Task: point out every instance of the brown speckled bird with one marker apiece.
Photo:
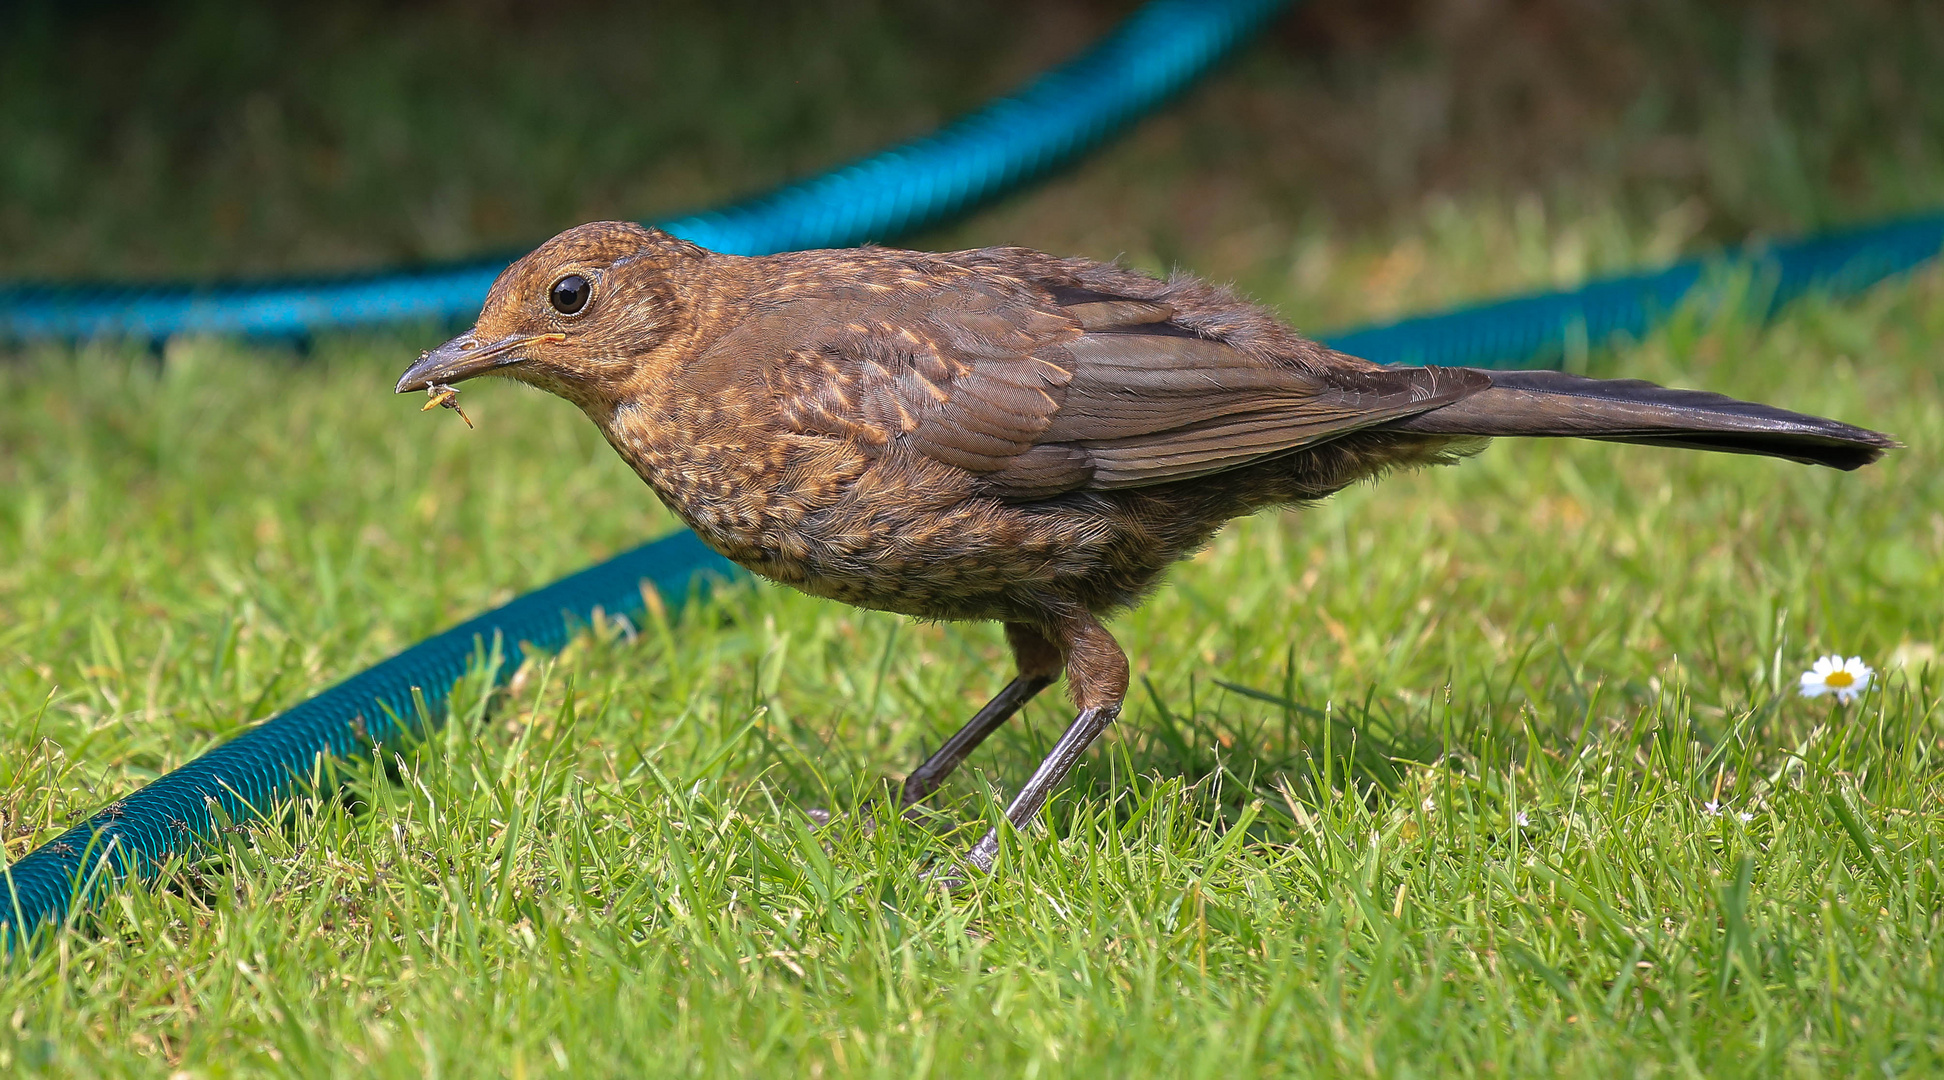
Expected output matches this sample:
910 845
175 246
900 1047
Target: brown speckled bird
1003 434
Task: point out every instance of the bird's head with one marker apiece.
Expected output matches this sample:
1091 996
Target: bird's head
583 316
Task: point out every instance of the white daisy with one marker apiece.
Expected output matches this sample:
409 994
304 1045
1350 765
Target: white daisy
1847 679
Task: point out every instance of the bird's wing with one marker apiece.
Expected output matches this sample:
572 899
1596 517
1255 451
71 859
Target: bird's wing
954 374
1076 389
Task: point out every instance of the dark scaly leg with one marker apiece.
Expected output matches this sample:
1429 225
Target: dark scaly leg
1039 662
1097 676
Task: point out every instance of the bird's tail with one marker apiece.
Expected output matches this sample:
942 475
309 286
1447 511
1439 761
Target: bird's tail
1552 403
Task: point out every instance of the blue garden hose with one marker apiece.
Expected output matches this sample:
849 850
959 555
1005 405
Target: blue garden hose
1527 331
1155 52
1151 56
244 777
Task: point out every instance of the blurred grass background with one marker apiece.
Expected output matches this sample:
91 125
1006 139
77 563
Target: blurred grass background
1470 723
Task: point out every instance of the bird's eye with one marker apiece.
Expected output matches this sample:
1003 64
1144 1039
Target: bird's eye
569 294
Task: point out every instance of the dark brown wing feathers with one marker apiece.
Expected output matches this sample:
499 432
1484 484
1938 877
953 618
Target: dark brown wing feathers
1553 403
1095 310
1047 390
1042 389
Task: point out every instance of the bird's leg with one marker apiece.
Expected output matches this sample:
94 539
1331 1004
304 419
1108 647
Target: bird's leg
1039 662
1097 676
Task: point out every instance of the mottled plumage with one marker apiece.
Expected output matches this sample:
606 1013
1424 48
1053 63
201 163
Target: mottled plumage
1003 434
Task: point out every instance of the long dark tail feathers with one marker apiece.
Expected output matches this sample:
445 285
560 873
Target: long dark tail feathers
1552 403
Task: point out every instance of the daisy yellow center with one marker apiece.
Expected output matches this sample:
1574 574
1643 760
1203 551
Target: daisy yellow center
1839 679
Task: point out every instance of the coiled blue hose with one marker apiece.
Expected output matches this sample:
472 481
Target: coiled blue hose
903 188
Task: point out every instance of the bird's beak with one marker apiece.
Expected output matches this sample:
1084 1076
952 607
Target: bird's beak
465 356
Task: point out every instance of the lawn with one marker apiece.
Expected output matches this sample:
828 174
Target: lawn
1490 769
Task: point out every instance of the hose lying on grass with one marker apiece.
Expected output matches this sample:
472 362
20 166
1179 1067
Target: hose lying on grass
242 778
1064 112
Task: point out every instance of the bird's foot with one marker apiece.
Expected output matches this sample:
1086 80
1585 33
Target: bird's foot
958 873
950 877
985 852
867 815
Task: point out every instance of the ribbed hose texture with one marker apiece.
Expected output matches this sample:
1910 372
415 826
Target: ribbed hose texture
244 776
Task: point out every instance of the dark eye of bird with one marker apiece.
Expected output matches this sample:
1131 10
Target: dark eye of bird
569 294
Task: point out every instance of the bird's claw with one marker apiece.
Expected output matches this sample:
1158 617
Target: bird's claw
950 874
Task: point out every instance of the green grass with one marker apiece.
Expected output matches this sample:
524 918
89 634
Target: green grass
1417 782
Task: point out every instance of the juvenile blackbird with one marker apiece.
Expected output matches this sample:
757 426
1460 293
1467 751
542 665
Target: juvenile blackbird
1004 434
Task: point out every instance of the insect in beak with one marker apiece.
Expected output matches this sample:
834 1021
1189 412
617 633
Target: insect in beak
447 396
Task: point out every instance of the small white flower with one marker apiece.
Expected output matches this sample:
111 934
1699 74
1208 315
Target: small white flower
1524 821
1746 816
1847 679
